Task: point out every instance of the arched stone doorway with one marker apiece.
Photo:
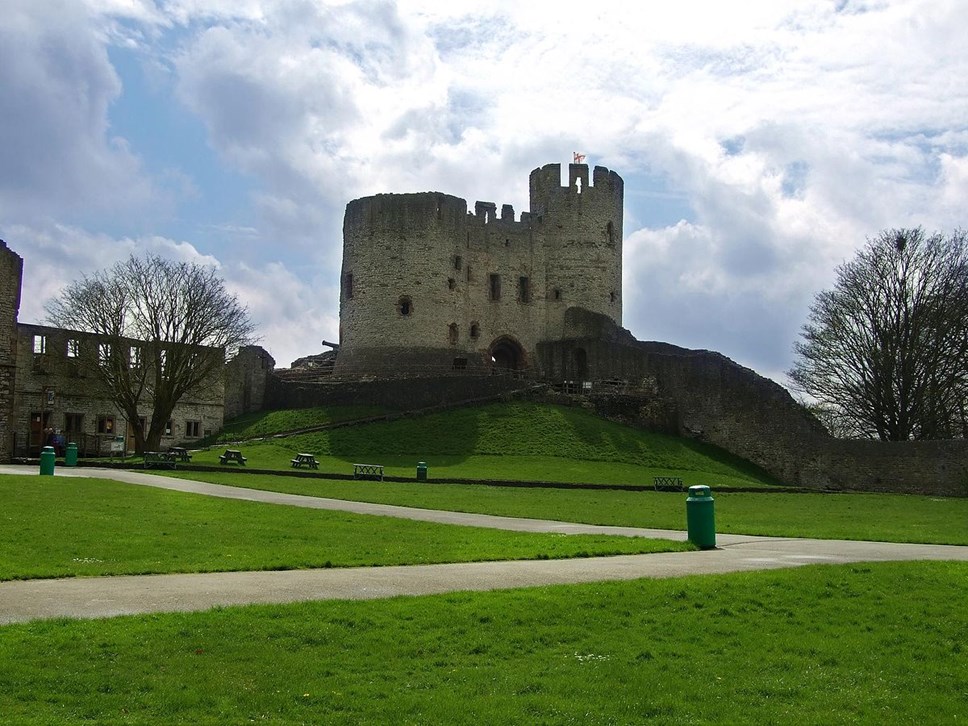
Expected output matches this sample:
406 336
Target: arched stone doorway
506 355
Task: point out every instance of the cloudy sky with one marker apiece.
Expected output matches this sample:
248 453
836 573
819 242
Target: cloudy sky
760 141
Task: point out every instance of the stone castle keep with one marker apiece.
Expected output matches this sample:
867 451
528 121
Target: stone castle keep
428 286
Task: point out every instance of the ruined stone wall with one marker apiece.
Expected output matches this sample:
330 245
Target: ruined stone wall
706 396
246 376
58 388
11 275
424 282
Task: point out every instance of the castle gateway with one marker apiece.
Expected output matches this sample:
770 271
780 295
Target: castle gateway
428 287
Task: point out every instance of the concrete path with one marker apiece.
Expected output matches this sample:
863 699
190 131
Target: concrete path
109 596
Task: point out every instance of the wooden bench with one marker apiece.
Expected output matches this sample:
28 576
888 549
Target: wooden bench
305 460
232 455
180 453
667 484
162 459
368 471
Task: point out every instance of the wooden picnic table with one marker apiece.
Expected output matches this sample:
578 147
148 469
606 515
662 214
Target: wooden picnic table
368 471
232 455
163 459
180 453
301 460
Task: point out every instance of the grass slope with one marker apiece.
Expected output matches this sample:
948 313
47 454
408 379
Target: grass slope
267 423
877 643
508 441
67 526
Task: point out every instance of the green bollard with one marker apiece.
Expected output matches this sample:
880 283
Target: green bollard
70 454
700 517
47 457
421 471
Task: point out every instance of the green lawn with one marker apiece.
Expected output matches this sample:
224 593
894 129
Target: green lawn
880 517
510 441
72 526
879 643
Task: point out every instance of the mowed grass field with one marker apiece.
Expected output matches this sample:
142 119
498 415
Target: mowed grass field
868 644
71 526
864 643
505 441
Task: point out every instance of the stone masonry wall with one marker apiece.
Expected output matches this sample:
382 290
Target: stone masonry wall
58 389
711 398
11 274
246 375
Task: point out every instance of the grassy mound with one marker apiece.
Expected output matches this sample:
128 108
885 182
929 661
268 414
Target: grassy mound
507 441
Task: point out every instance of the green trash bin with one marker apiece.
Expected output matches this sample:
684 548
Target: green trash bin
700 517
70 454
47 457
421 471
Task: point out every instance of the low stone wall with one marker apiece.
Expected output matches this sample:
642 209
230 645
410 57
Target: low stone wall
706 396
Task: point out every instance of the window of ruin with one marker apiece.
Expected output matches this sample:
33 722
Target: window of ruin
405 306
458 262
507 243
611 296
169 428
460 364
134 357
348 286
494 289
451 283
104 352
105 424
453 334
468 273
40 344
192 429
557 293
610 233
475 331
73 348
524 289
73 422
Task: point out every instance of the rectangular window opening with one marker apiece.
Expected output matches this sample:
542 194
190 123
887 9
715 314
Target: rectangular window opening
40 344
73 348
524 289
495 287
105 425
192 429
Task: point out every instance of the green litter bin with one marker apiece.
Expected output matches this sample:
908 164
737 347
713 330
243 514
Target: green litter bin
700 517
47 458
70 454
421 471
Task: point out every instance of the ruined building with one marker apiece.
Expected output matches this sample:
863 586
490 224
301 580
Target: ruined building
47 381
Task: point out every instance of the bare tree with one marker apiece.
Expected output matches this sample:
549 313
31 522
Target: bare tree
163 329
886 350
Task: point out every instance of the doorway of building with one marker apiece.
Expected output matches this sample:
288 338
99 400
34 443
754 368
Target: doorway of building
506 355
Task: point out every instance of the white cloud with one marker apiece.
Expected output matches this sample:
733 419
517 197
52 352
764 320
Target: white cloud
789 129
58 157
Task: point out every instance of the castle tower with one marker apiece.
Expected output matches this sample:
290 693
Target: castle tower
580 226
427 286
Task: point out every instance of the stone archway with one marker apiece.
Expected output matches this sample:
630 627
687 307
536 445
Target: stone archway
506 354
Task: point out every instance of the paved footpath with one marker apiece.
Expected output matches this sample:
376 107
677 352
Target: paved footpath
96 597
